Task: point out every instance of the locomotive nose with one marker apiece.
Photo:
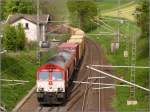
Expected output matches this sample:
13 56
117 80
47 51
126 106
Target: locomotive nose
59 89
41 89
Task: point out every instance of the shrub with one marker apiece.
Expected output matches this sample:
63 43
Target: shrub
14 38
9 39
21 40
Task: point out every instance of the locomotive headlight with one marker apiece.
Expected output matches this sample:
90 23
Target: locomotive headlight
41 89
60 89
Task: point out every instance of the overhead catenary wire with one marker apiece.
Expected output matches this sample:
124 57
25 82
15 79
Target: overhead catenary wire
112 19
121 66
8 80
5 85
114 77
96 77
104 84
99 34
103 26
109 87
105 23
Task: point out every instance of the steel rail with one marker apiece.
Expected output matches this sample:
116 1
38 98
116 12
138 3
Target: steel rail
87 86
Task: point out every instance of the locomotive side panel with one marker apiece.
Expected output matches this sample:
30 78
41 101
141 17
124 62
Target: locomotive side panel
60 70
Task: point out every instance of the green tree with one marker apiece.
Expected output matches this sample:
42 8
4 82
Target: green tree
9 39
143 23
14 38
85 11
143 17
21 40
16 6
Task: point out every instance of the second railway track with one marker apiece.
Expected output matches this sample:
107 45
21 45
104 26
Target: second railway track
76 100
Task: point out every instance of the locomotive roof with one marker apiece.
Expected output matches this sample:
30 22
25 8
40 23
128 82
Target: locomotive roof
77 37
73 40
61 58
58 60
68 45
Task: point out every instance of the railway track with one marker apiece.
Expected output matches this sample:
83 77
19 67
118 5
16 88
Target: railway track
80 100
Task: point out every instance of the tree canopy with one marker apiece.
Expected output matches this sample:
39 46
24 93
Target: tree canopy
84 11
143 23
14 38
143 17
15 6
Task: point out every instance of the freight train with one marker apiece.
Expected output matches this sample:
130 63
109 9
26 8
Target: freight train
53 77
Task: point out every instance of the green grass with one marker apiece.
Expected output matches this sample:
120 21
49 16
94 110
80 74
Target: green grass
104 5
117 58
17 66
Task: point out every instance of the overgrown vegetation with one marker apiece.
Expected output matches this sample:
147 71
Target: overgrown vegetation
143 23
117 58
56 8
82 12
14 38
22 65
17 66
15 6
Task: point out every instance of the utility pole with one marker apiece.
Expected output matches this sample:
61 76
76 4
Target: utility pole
38 35
118 32
149 55
0 62
132 99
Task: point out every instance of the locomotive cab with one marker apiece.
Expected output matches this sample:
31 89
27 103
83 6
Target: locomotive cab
50 86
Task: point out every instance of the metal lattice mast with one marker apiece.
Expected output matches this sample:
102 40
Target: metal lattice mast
38 33
118 32
133 63
149 54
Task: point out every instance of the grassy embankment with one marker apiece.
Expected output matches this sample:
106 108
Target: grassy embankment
129 29
19 66
22 65
110 5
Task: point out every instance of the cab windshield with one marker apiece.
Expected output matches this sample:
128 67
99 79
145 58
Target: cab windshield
57 76
43 75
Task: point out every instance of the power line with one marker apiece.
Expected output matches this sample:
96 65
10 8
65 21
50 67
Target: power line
120 66
149 56
103 84
8 80
122 80
38 34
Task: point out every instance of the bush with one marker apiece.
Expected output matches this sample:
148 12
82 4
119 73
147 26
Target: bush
21 40
82 12
10 37
14 38
31 45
